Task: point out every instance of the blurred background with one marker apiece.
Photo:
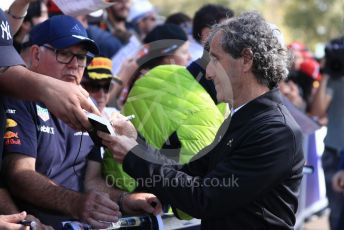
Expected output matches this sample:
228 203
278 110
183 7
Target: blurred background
312 22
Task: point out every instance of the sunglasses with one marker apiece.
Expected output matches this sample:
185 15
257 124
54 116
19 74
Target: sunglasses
95 87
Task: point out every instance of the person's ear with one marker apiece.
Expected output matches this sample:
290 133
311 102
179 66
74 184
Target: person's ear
35 55
247 57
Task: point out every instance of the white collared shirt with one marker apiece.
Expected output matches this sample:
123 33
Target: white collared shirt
237 109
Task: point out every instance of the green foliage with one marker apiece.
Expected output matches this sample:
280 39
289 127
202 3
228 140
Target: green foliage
314 21
308 21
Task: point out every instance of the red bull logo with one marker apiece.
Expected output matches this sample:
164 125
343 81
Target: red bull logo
12 142
10 134
12 138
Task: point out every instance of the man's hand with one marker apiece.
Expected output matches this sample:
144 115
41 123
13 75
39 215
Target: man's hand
10 222
122 126
123 141
118 145
18 9
140 203
67 101
97 209
338 181
39 225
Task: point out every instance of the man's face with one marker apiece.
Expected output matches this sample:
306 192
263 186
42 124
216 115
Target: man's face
120 9
147 23
48 63
180 57
99 90
224 70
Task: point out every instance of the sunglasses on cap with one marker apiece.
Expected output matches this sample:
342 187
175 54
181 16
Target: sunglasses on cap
95 87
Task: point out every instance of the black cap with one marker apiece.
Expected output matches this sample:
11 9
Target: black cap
161 41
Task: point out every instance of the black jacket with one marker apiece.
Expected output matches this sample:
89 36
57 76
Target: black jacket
248 178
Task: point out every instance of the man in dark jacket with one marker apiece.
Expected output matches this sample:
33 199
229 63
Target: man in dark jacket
249 177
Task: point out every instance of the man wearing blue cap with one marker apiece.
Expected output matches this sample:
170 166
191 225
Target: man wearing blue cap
15 79
46 160
13 73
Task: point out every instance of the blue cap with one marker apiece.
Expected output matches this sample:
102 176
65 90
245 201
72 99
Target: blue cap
9 56
61 32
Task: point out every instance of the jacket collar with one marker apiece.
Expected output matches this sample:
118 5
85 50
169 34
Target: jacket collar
253 108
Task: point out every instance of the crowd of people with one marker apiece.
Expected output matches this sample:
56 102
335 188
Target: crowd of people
213 96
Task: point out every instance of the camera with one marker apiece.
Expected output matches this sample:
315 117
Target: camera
334 55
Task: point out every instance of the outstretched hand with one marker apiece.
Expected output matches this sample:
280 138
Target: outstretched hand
67 101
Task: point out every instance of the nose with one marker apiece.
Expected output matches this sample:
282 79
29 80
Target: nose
74 62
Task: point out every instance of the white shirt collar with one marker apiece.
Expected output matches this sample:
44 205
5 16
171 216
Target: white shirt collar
237 109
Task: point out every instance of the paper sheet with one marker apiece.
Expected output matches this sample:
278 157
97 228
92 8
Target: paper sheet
82 7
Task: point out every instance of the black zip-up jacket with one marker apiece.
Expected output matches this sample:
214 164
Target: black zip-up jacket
248 178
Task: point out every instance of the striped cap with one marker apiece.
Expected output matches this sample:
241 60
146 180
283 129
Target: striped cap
99 69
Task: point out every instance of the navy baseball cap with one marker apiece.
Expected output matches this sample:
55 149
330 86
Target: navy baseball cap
61 32
9 56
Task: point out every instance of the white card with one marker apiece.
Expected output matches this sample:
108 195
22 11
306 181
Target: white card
82 7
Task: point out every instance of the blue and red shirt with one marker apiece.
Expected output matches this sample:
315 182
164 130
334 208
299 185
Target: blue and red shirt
61 152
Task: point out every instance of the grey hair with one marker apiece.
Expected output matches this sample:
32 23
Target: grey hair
250 31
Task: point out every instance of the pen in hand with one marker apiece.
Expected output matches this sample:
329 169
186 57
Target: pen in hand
127 118
130 117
